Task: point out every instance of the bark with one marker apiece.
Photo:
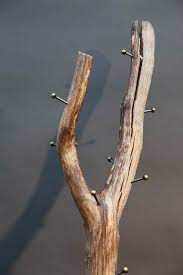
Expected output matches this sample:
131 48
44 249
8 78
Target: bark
102 211
102 244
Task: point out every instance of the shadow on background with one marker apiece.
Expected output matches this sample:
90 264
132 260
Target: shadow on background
51 179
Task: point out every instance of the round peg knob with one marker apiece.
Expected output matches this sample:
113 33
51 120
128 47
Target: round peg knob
52 143
53 95
145 177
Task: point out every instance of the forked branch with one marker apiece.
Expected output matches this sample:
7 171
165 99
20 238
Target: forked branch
102 211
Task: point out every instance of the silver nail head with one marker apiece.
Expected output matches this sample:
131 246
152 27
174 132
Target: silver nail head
93 192
125 270
110 159
145 177
53 95
123 51
52 143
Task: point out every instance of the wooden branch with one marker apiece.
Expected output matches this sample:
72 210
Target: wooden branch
132 115
102 211
66 140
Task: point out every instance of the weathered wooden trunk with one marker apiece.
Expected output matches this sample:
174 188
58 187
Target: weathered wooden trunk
102 211
102 244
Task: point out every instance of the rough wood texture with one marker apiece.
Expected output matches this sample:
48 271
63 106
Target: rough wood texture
101 212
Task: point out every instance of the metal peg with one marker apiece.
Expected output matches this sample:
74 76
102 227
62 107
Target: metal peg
110 159
53 95
124 270
152 110
124 52
145 177
52 143
94 193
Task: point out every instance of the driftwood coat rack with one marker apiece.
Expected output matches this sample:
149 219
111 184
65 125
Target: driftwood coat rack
102 211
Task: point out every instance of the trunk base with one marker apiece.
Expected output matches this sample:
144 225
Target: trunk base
102 249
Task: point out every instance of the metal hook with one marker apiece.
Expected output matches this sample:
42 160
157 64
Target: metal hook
145 177
124 52
152 110
124 270
94 193
110 159
53 95
52 143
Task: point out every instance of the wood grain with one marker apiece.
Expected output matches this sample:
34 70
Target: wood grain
101 212
66 140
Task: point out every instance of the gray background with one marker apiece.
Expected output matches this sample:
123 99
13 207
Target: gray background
41 230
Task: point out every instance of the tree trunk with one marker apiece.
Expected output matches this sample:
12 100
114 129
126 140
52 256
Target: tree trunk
102 245
102 211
